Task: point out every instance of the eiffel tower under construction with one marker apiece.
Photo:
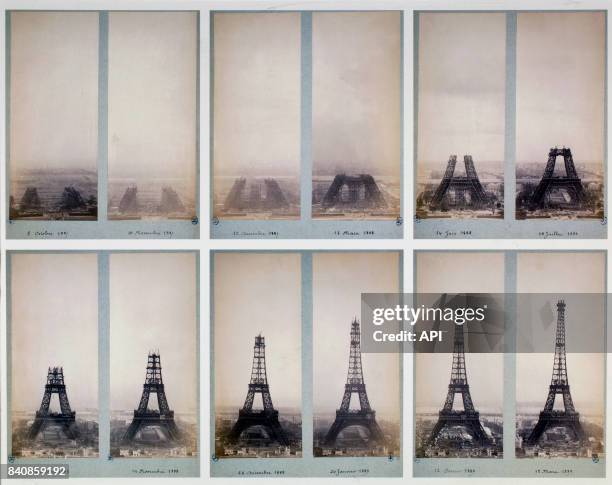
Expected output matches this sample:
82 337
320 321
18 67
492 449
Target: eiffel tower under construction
467 191
559 384
468 418
66 418
365 416
268 416
143 416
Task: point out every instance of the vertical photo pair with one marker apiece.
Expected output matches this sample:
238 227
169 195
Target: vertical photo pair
306 124
103 361
292 392
102 124
513 412
510 132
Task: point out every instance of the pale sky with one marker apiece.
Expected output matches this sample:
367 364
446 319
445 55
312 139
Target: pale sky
54 322
338 281
152 76
356 92
461 86
153 307
564 273
54 90
560 85
445 272
256 100
257 293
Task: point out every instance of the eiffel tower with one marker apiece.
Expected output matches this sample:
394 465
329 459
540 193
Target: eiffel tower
66 418
460 185
365 416
559 384
570 182
143 416
469 417
268 416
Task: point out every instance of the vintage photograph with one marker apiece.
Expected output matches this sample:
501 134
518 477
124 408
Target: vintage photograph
152 115
356 396
257 370
256 104
459 396
461 89
52 106
554 419
560 108
154 385
53 323
356 115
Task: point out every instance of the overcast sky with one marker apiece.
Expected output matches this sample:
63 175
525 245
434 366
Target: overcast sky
256 99
53 90
564 273
560 85
257 293
356 66
153 307
445 272
54 322
461 86
338 281
152 76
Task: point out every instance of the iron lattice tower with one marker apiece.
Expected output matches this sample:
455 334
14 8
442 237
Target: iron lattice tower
143 416
266 417
468 417
461 186
66 418
570 182
559 384
355 384
361 191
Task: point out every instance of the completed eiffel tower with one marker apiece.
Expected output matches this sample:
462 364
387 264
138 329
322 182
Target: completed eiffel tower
268 416
365 416
143 416
469 417
559 384
66 418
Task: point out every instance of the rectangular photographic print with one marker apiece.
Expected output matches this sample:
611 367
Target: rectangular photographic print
356 115
53 373
256 106
153 357
461 124
565 316
458 397
152 115
53 125
560 124
257 378
356 396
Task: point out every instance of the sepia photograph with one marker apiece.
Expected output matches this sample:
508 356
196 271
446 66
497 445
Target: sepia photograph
257 355
356 396
461 93
154 384
152 115
459 396
560 395
356 115
256 109
53 393
560 110
52 115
